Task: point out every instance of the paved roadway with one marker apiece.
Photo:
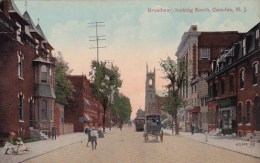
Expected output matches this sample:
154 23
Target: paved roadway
128 146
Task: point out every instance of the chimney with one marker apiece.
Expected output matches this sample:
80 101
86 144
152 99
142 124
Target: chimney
5 7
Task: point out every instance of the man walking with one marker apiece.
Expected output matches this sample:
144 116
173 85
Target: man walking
53 132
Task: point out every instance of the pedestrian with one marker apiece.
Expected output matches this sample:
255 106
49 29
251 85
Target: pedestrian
53 132
120 126
192 128
10 144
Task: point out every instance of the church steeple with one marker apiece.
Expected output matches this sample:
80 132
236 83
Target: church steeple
150 90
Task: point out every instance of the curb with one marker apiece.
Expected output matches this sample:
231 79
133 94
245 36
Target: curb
258 157
49 151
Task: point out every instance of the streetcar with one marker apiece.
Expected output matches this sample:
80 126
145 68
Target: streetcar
139 123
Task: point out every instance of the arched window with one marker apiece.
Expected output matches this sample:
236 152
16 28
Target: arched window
20 64
43 74
150 82
248 111
242 78
255 72
44 111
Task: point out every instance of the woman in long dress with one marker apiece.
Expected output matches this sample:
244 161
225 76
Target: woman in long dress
10 143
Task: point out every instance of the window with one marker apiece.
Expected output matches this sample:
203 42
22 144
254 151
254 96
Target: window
231 83
244 47
215 89
51 111
43 74
239 113
50 75
205 53
20 106
44 110
20 64
150 82
18 32
203 101
248 110
242 78
255 72
222 86
257 34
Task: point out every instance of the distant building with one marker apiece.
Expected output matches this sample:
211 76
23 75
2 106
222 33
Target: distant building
27 87
234 86
199 49
83 110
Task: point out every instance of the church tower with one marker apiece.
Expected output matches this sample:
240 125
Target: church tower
150 91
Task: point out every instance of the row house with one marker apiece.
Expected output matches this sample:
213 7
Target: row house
83 110
198 49
27 92
234 87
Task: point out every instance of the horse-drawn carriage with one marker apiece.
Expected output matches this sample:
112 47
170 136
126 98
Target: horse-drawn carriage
153 127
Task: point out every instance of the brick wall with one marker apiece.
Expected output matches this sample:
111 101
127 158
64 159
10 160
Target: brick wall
11 85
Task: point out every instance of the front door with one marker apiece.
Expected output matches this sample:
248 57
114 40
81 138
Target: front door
257 113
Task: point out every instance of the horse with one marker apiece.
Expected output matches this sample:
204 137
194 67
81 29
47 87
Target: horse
92 137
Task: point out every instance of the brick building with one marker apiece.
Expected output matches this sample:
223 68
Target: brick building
234 86
83 109
27 73
198 48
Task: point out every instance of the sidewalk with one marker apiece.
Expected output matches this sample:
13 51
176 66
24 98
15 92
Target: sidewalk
225 142
41 147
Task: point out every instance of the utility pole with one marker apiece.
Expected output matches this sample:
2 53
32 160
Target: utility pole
97 37
110 62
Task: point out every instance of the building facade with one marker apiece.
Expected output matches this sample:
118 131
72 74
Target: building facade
83 110
198 49
234 87
27 94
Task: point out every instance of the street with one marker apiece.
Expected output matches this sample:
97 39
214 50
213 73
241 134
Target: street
128 146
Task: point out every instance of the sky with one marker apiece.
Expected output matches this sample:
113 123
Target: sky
136 32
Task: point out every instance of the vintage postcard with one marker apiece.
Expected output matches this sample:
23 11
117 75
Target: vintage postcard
129 81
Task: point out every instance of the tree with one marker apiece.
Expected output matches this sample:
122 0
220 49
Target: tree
122 106
63 87
177 74
105 81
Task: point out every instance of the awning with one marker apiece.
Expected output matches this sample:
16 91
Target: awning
87 117
86 103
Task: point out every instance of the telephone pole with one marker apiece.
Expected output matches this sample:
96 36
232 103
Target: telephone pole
97 37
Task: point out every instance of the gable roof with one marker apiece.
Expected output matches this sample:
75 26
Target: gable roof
13 10
39 29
